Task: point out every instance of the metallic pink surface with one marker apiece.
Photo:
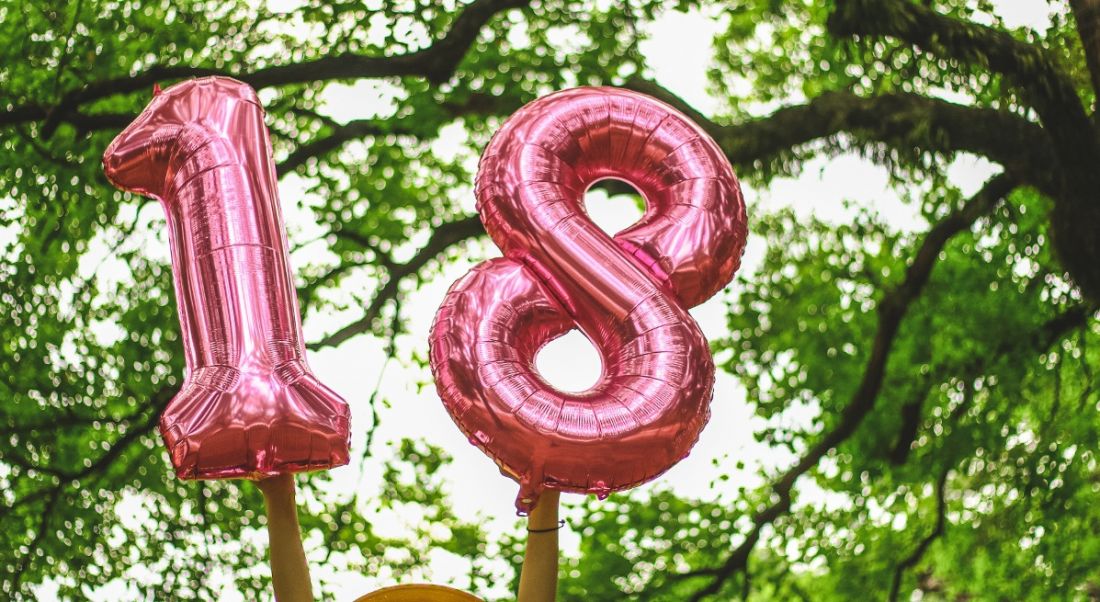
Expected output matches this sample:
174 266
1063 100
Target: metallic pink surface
628 294
249 406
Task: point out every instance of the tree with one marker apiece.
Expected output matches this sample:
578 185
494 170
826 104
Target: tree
952 370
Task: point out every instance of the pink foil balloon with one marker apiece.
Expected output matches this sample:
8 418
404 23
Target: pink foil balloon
628 294
249 405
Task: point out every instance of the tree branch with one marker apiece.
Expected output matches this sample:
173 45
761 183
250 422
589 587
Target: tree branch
1059 159
910 423
899 120
351 130
891 310
1042 338
1047 87
36 540
474 104
436 63
1086 14
53 494
941 522
441 239
160 400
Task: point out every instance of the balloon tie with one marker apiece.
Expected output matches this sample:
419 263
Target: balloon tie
561 523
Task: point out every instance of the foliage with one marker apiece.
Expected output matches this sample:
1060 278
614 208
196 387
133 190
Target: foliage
950 375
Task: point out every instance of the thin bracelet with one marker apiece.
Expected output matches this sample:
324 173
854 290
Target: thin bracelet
561 523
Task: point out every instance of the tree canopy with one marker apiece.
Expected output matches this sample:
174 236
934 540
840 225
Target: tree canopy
951 371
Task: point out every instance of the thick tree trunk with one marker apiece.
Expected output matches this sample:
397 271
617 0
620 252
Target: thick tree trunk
1087 15
1044 86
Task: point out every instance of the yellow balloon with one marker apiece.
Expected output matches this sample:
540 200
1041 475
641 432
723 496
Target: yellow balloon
419 593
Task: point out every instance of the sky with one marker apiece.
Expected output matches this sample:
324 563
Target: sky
679 52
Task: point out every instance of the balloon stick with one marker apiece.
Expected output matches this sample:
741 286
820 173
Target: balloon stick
538 579
289 570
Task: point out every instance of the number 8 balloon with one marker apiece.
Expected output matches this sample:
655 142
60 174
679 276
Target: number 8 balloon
629 294
250 406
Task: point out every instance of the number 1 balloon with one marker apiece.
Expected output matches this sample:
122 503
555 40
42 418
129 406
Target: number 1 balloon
249 406
629 294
